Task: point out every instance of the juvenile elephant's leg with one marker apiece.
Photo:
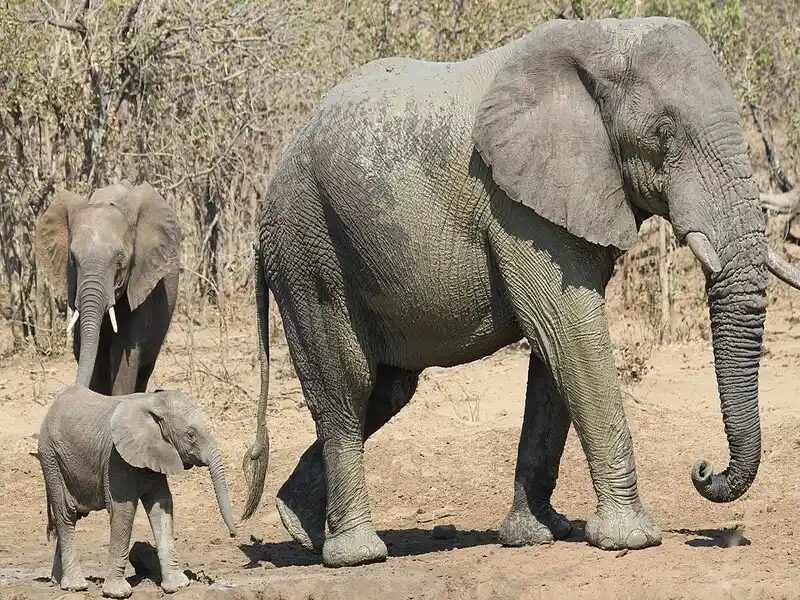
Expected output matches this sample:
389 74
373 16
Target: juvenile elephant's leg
532 519
158 506
302 500
66 569
123 510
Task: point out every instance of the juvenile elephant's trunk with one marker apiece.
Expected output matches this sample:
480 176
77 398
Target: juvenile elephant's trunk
91 304
256 460
217 470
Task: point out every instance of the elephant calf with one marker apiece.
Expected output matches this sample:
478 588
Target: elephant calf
109 452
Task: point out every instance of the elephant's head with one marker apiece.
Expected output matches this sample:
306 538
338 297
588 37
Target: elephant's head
112 248
166 432
599 125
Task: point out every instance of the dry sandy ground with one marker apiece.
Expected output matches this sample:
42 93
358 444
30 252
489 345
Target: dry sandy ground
447 459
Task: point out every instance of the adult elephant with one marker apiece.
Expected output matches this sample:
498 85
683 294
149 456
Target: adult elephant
115 257
431 213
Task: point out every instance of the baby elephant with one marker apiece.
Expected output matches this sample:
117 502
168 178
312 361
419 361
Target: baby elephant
111 451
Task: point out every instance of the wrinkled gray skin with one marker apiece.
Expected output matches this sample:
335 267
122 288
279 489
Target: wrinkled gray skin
108 452
431 213
120 248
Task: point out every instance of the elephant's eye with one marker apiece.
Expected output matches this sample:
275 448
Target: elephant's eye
191 434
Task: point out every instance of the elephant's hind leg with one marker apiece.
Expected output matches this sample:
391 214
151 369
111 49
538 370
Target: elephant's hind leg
337 375
302 500
532 519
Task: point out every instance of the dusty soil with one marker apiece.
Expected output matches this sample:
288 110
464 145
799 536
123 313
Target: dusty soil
448 458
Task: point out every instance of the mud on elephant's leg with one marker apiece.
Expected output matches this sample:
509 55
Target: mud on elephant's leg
302 499
532 519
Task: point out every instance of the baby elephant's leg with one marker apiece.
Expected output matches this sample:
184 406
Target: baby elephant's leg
66 569
123 511
158 505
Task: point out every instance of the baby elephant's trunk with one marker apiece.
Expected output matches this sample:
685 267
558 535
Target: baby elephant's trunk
217 469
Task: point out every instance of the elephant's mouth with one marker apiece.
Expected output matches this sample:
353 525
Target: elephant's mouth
187 466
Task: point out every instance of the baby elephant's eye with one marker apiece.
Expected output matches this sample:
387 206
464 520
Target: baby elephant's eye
191 434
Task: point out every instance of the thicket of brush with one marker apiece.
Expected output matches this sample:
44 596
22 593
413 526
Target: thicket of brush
198 98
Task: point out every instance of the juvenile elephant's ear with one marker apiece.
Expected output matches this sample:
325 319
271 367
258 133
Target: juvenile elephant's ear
539 128
157 244
51 245
136 432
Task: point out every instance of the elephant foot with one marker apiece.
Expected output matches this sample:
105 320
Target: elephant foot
523 528
302 501
357 546
116 588
623 528
74 582
173 582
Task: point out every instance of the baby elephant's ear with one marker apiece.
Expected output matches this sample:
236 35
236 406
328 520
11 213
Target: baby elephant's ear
136 432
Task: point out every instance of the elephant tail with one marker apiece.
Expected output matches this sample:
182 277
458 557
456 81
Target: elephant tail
256 459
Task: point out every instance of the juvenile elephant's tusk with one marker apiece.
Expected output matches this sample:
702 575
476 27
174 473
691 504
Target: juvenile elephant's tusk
113 317
73 320
703 251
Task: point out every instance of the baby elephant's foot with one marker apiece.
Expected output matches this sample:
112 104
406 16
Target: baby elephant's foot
357 546
522 528
116 588
74 582
623 528
173 582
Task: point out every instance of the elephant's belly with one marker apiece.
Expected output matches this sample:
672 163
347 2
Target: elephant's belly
442 313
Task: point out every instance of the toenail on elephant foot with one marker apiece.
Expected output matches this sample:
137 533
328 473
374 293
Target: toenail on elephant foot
357 546
522 528
623 529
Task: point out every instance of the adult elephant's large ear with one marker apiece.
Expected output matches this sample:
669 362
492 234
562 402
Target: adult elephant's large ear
51 245
157 244
136 433
539 127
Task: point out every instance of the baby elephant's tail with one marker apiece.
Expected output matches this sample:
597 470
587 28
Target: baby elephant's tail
51 528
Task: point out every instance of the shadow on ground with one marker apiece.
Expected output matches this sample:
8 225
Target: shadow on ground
399 542
714 538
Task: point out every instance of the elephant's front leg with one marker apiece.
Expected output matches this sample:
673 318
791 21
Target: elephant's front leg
158 506
561 310
583 365
532 519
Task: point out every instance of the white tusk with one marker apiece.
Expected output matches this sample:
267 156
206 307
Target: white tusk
783 269
703 251
73 320
113 317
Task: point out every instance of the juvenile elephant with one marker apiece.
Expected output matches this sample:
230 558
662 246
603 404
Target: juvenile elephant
110 452
428 214
115 257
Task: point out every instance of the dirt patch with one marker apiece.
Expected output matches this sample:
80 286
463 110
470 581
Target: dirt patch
447 459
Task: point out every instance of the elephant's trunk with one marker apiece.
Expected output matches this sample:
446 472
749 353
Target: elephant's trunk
217 470
92 302
737 308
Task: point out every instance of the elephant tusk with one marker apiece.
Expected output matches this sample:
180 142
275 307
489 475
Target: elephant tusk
703 251
73 320
112 315
783 269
